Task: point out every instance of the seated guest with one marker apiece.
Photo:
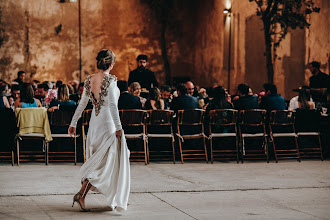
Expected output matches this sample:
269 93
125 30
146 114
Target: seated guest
15 92
155 100
74 85
219 100
135 89
228 97
294 104
272 100
184 101
62 100
304 100
27 99
190 88
203 99
35 84
3 99
166 96
245 101
77 96
126 100
57 84
42 92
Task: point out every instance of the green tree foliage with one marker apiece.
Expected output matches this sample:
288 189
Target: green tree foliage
278 16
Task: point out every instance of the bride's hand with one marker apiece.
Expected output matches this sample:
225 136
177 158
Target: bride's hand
72 131
119 133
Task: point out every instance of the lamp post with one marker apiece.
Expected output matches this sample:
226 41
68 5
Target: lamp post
228 14
79 41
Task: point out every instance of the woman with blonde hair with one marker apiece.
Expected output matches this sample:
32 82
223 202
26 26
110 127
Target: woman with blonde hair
304 101
62 99
135 89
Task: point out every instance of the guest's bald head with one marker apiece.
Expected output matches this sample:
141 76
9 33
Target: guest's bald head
190 87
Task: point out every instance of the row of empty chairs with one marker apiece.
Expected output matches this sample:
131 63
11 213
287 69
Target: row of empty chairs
249 130
231 134
277 128
35 123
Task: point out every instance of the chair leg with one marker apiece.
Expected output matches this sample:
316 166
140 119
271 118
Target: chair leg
84 142
237 151
47 150
207 160
320 146
172 140
211 148
242 149
266 146
145 152
297 147
274 149
180 146
148 155
17 149
75 150
12 158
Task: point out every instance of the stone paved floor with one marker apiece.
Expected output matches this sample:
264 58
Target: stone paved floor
253 190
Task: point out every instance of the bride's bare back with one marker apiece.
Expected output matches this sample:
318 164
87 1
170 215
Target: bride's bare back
95 83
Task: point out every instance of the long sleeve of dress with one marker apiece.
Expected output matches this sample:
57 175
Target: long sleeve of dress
113 102
81 107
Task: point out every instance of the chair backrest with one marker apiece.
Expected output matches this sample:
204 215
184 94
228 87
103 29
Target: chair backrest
282 117
307 120
133 120
160 121
252 117
223 117
160 117
33 120
252 121
8 128
190 121
281 121
223 121
87 114
191 117
60 118
132 117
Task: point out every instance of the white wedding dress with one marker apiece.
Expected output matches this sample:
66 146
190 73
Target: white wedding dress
107 157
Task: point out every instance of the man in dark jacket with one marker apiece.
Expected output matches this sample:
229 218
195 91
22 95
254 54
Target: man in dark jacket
126 100
142 75
245 100
272 100
318 83
184 101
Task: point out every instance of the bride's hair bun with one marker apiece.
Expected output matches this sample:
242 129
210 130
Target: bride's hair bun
105 58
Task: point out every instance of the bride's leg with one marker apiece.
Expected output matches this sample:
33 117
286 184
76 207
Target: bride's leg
85 187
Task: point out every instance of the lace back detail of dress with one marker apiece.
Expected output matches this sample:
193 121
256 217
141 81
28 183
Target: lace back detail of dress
103 91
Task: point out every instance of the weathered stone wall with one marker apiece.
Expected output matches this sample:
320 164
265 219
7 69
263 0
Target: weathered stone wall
43 40
295 52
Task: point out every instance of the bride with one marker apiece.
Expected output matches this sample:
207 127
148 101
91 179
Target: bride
107 168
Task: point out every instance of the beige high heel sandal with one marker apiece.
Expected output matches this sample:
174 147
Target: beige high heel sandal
77 198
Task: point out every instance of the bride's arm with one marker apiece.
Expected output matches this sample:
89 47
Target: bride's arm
81 107
113 102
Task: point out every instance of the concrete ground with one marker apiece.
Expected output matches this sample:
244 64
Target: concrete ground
194 190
